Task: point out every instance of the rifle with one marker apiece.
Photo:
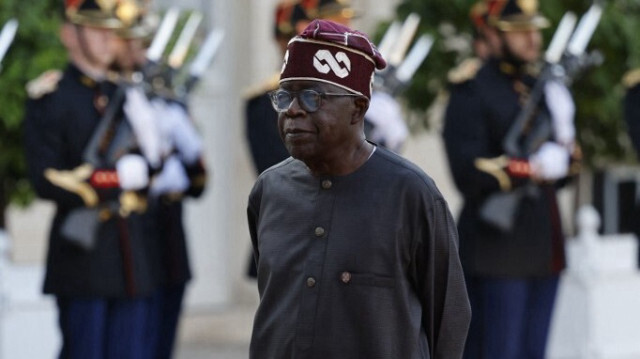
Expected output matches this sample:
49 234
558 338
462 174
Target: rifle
6 37
105 147
397 76
564 59
81 223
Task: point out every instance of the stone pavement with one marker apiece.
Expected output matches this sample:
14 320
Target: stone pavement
222 334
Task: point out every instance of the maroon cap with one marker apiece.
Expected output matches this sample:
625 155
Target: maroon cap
333 53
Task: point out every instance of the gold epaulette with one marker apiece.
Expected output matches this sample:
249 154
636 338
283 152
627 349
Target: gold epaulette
465 71
269 85
44 84
631 78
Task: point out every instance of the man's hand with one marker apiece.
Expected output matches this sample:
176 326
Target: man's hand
172 179
133 172
550 162
179 130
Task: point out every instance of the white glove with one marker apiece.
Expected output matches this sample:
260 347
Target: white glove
181 131
165 126
172 179
133 172
389 125
562 109
550 162
142 117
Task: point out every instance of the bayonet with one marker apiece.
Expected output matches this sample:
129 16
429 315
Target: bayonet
180 49
414 59
161 39
560 39
203 59
401 45
584 32
389 38
6 36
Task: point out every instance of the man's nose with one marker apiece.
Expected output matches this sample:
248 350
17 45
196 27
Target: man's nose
295 108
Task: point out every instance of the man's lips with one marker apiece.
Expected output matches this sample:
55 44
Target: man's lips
296 132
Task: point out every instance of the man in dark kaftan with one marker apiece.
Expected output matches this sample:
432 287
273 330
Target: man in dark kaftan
356 249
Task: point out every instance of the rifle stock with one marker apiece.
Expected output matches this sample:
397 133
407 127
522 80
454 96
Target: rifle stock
500 209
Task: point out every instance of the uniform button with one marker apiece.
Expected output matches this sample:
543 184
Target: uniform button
311 282
345 277
326 184
319 231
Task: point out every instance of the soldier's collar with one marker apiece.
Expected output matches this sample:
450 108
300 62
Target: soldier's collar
517 70
85 79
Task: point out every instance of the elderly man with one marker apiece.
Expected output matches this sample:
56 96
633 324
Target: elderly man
356 249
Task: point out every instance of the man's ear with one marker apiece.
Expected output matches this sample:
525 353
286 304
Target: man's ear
361 105
68 35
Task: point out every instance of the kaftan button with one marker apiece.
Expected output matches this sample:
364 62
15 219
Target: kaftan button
311 282
345 277
326 184
319 231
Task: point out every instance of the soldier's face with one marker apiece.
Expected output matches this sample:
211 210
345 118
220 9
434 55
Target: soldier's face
100 44
524 45
130 53
320 135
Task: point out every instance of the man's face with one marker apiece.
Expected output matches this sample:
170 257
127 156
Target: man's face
100 44
523 45
130 53
313 136
491 42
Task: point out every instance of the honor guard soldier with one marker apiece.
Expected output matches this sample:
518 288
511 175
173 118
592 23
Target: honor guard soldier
356 248
165 133
512 270
100 262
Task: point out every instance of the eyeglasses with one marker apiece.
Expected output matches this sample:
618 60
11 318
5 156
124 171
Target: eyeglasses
309 100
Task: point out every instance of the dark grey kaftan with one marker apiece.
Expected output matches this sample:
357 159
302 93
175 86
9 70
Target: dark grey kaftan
358 266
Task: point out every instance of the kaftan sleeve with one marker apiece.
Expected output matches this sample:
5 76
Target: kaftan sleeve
440 283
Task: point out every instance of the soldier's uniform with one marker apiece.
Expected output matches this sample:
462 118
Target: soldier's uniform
511 275
103 286
631 82
631 103
165 201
